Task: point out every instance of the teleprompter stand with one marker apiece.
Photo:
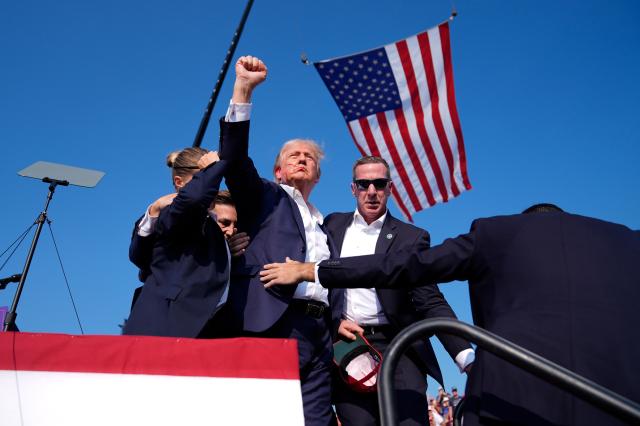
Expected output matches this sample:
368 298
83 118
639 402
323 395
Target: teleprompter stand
55 175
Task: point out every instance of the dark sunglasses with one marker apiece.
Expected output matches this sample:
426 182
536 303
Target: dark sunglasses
363 184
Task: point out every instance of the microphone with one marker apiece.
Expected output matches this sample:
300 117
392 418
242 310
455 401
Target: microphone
11 279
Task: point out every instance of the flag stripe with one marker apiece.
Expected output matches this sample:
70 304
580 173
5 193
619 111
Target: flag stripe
407 152
443 104
403 51
384 127
420 75
404 131
410 119
425 49
363 151
383 152
401 205
448 72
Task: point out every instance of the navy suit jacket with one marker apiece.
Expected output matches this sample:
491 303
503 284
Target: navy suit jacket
188 263
401 306
273 222
561 285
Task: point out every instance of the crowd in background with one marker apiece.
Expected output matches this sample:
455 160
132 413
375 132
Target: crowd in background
443 406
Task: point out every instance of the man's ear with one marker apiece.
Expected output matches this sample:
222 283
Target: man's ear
354 189
277 172
178 182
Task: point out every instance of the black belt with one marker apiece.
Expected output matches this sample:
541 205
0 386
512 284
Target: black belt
312 308
375 329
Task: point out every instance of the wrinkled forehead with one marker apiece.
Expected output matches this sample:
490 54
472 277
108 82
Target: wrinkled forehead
302 147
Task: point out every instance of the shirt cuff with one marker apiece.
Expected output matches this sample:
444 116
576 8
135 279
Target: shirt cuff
147 224
464 358
238 112
316 278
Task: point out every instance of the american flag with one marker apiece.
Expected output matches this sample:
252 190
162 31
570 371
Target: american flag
399 103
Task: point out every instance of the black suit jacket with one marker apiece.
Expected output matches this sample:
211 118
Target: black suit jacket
273 222
401 306
188 263
563 286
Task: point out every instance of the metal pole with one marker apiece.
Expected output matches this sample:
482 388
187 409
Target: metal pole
591 392
10 317
221 75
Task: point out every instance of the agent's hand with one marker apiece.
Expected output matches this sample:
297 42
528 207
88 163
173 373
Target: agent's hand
349 329
161 203
209 158
250 72
238 244
289 273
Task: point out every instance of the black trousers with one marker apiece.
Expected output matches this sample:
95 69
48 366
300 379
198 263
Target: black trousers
361 409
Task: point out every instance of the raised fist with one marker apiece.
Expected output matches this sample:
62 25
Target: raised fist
250 72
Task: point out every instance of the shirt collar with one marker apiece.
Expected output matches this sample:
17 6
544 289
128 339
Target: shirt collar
297 196
376 224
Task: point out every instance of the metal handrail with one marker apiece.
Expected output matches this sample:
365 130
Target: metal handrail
591 392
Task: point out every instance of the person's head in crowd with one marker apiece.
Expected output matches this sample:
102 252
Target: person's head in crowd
225 211
542 208
445 403
371 187
298 165
184 164
454 392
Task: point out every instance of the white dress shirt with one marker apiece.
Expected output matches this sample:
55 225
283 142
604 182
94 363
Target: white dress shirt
317 246
361 305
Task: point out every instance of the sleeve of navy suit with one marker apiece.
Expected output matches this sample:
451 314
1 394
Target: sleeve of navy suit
192 201
430 303
242 178
409 267
141 248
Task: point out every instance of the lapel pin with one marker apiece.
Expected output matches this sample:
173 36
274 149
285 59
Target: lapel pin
389 236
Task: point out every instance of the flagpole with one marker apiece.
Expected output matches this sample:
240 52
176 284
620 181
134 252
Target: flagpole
221 75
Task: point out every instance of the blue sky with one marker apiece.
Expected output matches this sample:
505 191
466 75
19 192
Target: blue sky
547 94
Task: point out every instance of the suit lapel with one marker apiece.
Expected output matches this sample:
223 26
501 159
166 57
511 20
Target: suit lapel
341 230
388 234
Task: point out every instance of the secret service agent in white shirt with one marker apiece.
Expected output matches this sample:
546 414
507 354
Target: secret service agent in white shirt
361 305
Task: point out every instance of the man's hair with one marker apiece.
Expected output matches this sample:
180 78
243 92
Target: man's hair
542 208
224 197
371 159
317 151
